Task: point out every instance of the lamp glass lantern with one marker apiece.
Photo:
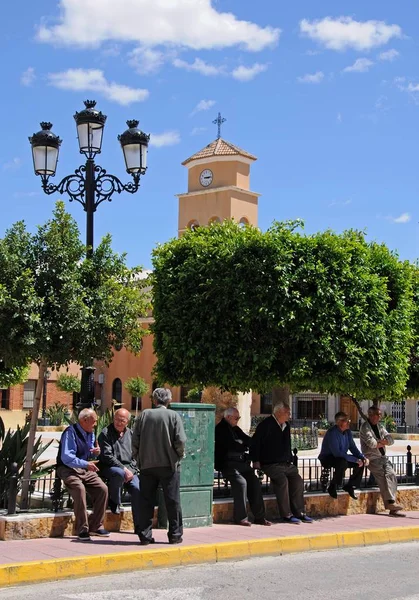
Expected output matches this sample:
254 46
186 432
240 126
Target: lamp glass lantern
45 148
134 143
90 125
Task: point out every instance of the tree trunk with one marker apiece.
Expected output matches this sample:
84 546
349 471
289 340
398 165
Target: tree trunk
24 502
358 406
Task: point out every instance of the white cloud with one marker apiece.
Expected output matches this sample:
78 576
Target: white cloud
203 105
413 88
403 218
28 77
146 60
243 73
200 66
389 55
312 78
198 130
341 202
339 117
168 138
343 33
82 80
185 23
12 165
361 65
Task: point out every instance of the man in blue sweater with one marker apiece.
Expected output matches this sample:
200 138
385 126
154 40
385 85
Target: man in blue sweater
337 442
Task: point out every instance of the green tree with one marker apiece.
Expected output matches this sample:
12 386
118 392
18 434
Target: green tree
241 309
68 383
67 308
137 387
13 375
412 388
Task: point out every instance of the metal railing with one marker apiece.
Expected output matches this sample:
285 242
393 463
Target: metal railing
49 493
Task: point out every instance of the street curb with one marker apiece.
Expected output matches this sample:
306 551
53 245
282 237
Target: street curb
84 566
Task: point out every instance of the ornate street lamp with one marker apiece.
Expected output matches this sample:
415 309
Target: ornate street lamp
90 184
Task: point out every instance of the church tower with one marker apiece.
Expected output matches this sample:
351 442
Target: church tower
218 186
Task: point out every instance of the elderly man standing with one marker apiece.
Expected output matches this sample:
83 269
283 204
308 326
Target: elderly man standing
336 444
271 452
116 463
75 467
374 439
158 445
231 446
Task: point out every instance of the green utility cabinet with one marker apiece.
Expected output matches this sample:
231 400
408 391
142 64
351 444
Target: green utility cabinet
197 468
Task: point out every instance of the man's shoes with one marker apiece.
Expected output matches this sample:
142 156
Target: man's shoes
84 536
146 541
263 522
176 540
394 508
102 532
114 507
291 519
244 523
351 491
305 518
332 491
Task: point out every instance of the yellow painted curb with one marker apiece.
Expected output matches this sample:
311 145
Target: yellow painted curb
83 566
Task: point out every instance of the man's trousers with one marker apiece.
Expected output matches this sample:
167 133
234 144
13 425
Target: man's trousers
340 465
170 483
384 474
116 481
78 481
244 484
288 488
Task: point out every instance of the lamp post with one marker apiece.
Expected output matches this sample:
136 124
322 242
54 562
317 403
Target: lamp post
90 184
43 420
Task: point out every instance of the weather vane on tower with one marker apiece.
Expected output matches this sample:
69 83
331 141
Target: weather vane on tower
219 121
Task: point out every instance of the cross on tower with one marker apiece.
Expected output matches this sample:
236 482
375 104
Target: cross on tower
219 121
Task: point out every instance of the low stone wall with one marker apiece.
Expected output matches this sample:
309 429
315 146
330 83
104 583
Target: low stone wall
38 525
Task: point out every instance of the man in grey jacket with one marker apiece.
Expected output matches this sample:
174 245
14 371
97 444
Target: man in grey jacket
158 445
374 439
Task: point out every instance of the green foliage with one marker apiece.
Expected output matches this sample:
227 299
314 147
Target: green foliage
389 423
194 395
57 414
323 423
136 387
68 383
13 375
413 381
241 309
13 445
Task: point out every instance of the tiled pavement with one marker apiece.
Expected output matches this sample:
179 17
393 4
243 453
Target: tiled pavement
23 551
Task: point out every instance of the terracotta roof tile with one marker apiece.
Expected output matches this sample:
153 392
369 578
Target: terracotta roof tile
219 147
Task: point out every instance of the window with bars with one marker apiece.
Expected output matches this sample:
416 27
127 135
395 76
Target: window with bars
310 406
29 393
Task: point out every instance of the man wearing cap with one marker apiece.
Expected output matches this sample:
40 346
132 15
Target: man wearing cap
337 442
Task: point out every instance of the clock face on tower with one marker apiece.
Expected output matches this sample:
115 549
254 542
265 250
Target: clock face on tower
205 179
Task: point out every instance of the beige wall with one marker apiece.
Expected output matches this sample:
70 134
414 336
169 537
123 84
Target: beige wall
231 172
224 204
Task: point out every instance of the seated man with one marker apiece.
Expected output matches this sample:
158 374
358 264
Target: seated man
231 443
74 466
271 452
116 463
337 442
374 439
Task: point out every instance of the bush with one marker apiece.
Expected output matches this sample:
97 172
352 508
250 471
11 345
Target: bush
389 423
57 414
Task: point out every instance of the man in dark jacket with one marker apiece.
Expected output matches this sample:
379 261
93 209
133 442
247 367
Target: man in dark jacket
117 465
232 459
158 445
271 452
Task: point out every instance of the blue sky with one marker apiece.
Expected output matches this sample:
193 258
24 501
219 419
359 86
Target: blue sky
325 94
